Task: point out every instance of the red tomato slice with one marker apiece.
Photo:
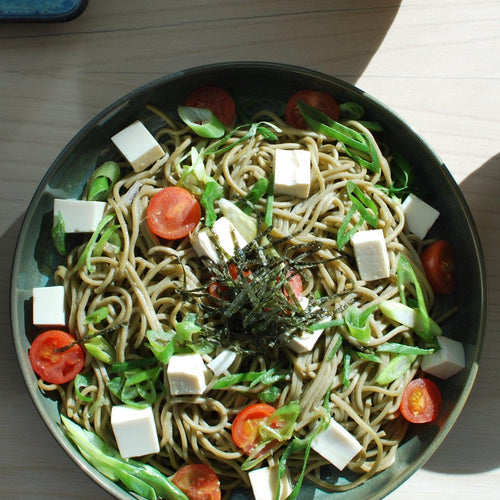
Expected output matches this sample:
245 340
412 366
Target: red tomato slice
295 282
421 401
217 289
173 213
217 100
439 264
246 425
320 100
51 365
198 482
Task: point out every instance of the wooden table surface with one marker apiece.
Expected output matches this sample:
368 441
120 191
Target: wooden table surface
436 63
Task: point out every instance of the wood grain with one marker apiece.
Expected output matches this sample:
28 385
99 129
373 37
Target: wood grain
437 64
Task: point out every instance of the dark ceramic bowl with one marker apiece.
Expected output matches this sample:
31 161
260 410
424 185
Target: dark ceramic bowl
34 259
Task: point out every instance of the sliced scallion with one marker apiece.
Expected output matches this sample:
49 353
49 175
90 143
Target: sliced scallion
201 121
59 234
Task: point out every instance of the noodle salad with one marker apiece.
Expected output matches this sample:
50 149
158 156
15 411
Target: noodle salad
247 300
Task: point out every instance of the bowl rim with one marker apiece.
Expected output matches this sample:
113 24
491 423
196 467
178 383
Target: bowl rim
37 396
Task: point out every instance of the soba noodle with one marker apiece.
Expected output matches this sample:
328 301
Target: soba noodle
140 287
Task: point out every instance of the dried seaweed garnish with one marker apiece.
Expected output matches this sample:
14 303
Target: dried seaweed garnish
257 311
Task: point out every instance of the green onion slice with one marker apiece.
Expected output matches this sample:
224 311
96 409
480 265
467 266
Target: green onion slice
201 121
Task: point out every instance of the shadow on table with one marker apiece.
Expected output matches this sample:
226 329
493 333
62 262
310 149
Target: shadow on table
479 418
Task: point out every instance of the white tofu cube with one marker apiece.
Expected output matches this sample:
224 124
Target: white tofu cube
138 146
419 215
336 445
305 342
48 306
446 362
134 430
292 172
222 361
224 232
370 251
264 483
79 216
186 374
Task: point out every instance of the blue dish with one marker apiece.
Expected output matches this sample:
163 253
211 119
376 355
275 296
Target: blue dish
41 10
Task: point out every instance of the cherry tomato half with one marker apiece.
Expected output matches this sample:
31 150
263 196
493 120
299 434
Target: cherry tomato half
320 100
50 364
173 213
439 264
198 482
421 401
217 100
218 289
245 428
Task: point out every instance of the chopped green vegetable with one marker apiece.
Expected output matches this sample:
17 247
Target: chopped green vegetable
165 344
201 121
222 145
346 368
396 368
136 387
248 202
364 206
351 111
279 425
102 181
267 377
59 235
212 192
100 349
88 250
244 224
268 217
136 476
424 327
323 124
357 322
408 350
404 176
81 382
122 366
97 316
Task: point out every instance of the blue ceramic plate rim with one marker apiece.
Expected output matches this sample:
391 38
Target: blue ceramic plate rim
381 484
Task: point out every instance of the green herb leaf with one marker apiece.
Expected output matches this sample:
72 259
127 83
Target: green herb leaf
59 235
201 121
